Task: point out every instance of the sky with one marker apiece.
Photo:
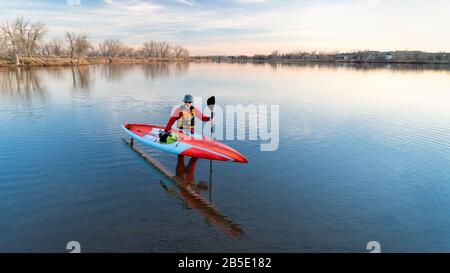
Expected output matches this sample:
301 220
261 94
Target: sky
233 27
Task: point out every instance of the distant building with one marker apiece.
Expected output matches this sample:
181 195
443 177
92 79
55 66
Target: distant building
388 57
220 58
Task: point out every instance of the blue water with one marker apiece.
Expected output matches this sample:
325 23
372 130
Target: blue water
364 154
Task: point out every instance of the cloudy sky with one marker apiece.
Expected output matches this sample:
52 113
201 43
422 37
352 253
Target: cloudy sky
249 26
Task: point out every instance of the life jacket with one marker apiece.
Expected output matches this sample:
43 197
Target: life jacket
186 121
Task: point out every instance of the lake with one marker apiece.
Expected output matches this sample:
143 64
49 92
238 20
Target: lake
363 155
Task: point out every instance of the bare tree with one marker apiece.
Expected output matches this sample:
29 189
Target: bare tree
179 52
163 50
23 37
11 33
112 47
184 54
176 50
82 45
46 49
149 49
56 47
34 35
95 51
101 50
128 51
53 48
156 49
3 45
78 44
70 38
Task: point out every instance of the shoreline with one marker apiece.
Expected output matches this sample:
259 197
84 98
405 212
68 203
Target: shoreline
67 61
291 61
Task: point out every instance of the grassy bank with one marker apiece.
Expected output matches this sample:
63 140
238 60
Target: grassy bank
66 61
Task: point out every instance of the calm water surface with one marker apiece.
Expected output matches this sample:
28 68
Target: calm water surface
364 155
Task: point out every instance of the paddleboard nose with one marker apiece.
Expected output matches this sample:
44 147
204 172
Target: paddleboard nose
230 153
237 157
243 160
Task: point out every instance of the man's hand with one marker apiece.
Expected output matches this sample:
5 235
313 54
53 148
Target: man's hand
163 136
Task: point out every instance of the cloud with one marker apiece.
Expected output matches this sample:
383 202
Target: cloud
185 2
131 6
374 2
246 26
250 1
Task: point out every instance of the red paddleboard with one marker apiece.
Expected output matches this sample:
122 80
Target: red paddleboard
188 144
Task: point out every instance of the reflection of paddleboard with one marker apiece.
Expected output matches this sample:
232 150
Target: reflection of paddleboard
188 144
191 198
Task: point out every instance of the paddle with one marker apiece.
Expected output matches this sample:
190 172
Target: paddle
211 102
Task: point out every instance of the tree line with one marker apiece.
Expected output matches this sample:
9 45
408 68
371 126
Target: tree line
21 38
356 56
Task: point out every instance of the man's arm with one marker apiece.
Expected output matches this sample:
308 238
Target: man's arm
170 123
176 115
200 115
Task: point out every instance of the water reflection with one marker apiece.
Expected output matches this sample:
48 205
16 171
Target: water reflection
81 78
114 72
351 66
153 71
186 188
181 68
163 70
23 84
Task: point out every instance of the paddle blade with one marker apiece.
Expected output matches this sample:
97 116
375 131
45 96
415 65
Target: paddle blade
210 102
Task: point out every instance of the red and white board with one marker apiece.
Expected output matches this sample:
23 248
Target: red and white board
188 144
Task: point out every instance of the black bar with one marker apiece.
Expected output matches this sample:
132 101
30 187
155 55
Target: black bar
226 262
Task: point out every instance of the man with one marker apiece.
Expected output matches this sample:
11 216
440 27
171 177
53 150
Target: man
185 116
